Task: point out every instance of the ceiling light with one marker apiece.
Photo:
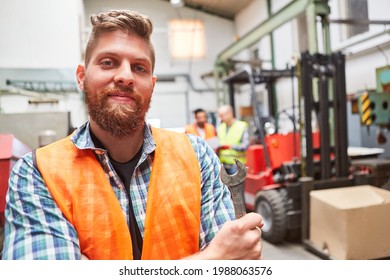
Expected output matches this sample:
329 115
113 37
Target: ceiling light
177 3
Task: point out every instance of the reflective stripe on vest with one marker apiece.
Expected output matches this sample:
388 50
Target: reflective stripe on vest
82 191
209 130
233 137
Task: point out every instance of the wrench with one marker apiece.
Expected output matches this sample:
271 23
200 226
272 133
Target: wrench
235 183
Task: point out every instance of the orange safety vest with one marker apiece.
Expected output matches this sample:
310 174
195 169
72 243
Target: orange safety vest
209 129
82 191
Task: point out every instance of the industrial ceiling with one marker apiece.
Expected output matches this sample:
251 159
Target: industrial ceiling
222 8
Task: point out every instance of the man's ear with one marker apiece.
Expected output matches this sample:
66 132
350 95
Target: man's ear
154 79
80 75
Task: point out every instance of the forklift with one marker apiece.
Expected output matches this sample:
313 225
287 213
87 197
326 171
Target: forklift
284 167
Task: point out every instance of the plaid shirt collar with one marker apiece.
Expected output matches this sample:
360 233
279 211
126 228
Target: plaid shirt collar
81 138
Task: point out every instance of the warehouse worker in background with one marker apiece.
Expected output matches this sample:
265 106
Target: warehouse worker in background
201 127
233 137
118 188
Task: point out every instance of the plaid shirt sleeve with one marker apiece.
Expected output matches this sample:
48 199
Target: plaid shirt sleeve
216 203
35 227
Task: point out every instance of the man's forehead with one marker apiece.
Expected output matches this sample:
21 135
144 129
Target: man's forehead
224 111
112 42
118 36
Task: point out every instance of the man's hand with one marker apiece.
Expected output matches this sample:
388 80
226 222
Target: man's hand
224 147
237 240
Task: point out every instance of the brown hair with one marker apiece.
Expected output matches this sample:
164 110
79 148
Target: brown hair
127 21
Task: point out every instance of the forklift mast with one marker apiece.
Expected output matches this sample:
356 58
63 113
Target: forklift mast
323 91
328 72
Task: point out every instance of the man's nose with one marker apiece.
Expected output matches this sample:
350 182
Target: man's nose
124 75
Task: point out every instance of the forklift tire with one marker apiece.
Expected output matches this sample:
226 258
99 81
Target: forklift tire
294 234
386 185
270 204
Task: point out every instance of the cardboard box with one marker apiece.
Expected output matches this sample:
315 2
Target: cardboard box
246 111
351 222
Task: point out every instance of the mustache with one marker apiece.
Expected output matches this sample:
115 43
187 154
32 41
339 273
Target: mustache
123 89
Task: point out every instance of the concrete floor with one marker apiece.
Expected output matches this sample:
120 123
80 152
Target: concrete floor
287 251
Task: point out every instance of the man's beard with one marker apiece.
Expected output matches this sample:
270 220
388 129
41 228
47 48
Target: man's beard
201 124
119 120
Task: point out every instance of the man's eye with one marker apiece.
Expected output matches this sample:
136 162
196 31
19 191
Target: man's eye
107 62
139 68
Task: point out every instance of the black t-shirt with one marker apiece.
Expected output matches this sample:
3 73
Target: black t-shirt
125 172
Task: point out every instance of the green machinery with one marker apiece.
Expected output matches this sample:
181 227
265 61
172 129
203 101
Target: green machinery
373 105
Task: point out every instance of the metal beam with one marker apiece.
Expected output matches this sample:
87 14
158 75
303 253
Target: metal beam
359 21
289 12
311 27
314 11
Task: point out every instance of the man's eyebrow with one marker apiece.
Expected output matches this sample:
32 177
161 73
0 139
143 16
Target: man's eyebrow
110 53
106 53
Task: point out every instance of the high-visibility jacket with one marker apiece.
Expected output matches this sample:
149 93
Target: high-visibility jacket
82 191
209 129
232 137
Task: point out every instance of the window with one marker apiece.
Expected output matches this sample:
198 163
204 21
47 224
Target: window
357 9
186 39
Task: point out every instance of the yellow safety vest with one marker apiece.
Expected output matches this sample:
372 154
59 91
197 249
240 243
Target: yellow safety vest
233 137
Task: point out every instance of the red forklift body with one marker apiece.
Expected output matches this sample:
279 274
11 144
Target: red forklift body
280 150
256 182
281 147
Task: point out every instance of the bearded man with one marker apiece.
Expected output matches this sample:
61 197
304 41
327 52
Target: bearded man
118 188
201 127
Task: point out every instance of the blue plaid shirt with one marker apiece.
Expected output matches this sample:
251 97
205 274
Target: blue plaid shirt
35 227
